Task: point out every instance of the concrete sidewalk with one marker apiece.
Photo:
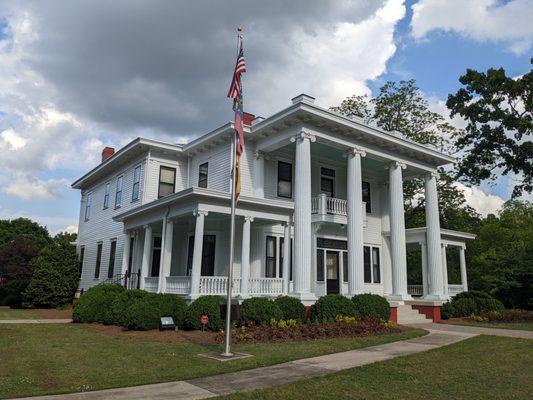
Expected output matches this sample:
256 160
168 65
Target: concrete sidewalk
273 375
447 328
36 321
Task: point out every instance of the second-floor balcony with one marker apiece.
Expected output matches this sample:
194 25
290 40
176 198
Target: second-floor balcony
331 209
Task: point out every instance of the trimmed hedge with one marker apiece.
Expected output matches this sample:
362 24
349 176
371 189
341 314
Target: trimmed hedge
327 308
95 304
470 303
371 306
121 304
260 310
205 305
170 305
142 316
472 294
291 308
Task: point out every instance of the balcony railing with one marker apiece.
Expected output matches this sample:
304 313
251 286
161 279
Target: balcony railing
151 283
178 284
322 204
218 285
455 289
418 290
273 286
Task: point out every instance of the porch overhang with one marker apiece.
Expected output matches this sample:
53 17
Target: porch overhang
448 236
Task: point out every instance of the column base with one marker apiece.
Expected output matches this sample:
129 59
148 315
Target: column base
435 297
399 297
307 299
394 315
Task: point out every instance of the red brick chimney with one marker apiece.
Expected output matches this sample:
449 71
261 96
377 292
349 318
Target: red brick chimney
247 118
107 152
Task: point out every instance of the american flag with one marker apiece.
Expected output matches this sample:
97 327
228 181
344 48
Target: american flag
235 92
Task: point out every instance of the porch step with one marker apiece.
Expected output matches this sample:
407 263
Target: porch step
407 315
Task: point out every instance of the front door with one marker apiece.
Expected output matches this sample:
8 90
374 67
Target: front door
332 271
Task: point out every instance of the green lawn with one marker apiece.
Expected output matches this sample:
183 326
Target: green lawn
484 367
6 313
44 359
526 326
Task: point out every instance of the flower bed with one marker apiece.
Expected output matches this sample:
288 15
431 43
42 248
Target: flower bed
291 330
514 315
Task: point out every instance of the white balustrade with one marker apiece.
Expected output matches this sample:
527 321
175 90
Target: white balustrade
415 290
455 289
315 205
270 286
330 205
336 206
151 283
178 284
217 285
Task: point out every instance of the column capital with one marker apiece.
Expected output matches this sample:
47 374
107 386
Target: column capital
430 175
261 154
248 218
197 213
303 135
351 152
395 164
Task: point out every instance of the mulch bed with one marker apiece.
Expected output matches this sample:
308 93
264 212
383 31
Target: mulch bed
180 336
52 313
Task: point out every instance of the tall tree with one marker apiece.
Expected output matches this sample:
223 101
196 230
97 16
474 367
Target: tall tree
497 139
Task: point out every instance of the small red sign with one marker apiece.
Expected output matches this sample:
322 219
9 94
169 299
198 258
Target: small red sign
204 319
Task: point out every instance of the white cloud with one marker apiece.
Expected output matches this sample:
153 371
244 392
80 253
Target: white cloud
11 138
71 229
480 201
480 20
28 187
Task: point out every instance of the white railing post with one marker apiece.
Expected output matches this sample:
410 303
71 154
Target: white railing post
322 204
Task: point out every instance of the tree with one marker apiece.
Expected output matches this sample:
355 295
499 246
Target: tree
55 277
497 139
9 229
401 108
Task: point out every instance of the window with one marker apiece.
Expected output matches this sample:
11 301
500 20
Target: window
88 206
118 193
270 264
327 181
106 195
202 175
345 266
284 179
208 255
156 256
98 261
112 254
82 256
167 179
320 265
130 259
136 183
372 265
281 241
366 196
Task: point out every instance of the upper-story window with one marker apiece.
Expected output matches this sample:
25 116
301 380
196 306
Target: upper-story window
327 181
167 181
136 183
88 206
366 196
106 195
284 179
118 193
202 175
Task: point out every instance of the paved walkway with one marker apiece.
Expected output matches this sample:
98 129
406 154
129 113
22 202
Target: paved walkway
273 375
514 333
36 321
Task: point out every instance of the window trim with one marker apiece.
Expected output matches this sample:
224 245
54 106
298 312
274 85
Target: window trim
136 183
106 195
112 258
166 167
98 263
291 181
160 248
371 256
81 258
273 258
118 191
331 178
88 205
368 204
190 252
201 175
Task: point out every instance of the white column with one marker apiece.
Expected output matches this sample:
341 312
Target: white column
341 273
162 256
147 251
126 252
302 217
355 224
397 231
245 256
197 252
166 250
445 273
433 240
462 264
286 258
259 174
423 248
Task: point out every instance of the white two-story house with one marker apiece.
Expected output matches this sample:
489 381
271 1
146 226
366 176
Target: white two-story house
321 211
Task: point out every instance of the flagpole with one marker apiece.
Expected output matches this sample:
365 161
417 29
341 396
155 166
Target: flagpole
227 346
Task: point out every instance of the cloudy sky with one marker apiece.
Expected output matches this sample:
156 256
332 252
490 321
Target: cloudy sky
77 76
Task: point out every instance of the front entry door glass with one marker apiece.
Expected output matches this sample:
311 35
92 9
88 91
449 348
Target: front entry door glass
332 271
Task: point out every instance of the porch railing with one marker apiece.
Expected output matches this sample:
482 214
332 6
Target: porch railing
272 286
455 289
178 284
323 204
415 290
218 285
151 283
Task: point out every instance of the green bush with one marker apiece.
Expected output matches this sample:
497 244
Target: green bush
205 305
488 305
371 306
447 311
327 308
469 303
472 294
464 307
120 306
95 304
291 308
260 310
142 315
170 305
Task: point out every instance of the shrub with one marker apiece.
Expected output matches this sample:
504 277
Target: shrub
291 308
513 315
170 305
95 304
142 315
327 308
260 310
464 307
122 302
487 305
205 305
472 294
371 306
447 311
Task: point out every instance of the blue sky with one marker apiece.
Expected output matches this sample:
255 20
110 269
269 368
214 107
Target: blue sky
79 76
